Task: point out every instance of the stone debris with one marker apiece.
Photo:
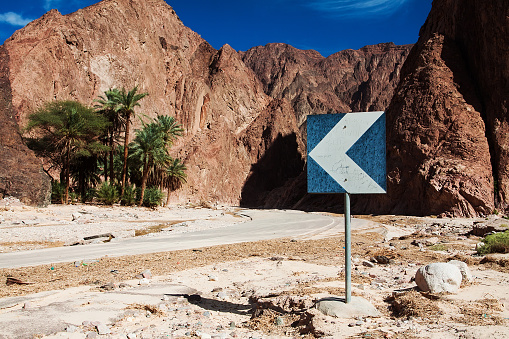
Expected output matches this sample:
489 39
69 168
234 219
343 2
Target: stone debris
71 329
482 228
144 275
368 263
10 201
426 241
108 287
102 329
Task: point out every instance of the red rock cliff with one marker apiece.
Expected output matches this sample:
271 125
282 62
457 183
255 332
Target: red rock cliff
448 122
21 173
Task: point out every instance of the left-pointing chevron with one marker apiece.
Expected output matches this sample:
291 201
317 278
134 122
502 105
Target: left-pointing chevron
331 153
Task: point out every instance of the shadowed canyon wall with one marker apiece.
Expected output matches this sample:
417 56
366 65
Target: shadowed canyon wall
447 123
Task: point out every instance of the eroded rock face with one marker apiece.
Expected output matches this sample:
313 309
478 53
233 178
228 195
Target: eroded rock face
480 31
439 157
447 140
21 173
347 81
122 43
447 123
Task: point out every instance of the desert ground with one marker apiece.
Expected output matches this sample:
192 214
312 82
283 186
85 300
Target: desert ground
263 289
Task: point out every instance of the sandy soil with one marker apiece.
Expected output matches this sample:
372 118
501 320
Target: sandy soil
250 290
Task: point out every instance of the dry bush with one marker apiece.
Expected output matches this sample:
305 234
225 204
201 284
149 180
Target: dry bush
414 304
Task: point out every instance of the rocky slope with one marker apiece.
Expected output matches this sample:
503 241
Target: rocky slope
347 81
240 143
21 173
448 121
212 93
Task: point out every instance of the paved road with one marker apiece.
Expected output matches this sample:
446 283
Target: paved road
263 225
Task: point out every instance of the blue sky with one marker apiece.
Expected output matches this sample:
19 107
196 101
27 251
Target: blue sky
327 26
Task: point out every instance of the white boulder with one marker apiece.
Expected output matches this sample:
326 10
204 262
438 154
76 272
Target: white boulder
438 278
465 271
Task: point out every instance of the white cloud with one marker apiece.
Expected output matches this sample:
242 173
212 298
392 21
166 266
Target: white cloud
14 19
356 8
50 4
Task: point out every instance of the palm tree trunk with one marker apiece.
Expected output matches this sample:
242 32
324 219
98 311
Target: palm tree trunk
66 171
112 174
126 142
144 180
105 160
168 197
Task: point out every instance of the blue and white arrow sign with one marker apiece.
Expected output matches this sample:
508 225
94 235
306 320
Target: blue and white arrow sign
346 153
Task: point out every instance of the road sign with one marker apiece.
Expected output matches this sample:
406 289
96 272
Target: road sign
346 153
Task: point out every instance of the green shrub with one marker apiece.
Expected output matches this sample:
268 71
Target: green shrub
495 243
107 194
73 196
152 197
129 197
90 194
438 247
57 192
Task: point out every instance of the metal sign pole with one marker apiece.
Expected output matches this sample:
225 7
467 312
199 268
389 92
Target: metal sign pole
348 247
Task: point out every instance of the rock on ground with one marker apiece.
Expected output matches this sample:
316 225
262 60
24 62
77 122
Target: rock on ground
439 278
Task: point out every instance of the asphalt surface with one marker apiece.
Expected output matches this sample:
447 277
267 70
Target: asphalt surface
260 225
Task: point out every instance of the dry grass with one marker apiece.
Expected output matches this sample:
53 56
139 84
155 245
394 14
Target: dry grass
377 334
145 307
414 304
29 245
157 228
274 323
64 275
480 312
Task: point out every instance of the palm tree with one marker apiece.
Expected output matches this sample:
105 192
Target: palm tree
170 129
70 130
149 146
175 176
108 107
125 102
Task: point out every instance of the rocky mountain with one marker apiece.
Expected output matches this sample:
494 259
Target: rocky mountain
21 173
243 131
448 121
122 43
244 112
347 81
